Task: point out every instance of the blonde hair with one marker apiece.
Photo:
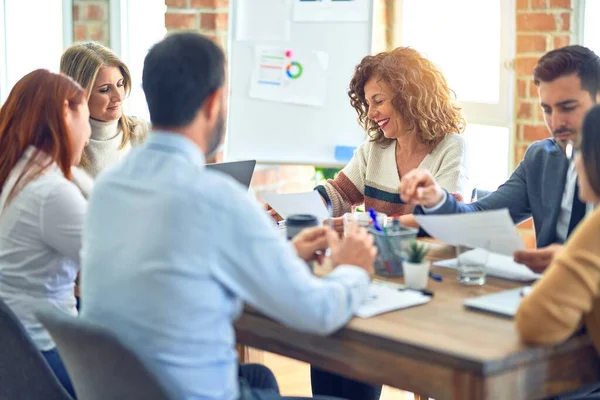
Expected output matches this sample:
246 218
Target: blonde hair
82 62
421 95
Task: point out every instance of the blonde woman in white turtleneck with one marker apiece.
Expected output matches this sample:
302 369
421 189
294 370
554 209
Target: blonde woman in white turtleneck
107 81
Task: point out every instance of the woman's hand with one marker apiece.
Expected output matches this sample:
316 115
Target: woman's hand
272 213
458 197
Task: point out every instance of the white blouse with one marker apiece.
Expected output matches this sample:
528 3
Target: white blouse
40 240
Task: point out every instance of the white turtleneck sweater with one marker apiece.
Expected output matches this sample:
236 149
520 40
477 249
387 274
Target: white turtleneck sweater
104 149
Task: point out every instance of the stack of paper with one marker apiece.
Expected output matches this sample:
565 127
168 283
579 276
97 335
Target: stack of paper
491 230
383 298
500 266
297 203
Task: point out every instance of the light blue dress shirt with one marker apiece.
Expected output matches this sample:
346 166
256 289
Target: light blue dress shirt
171 250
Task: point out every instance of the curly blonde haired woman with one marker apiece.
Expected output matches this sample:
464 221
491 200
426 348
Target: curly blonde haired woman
107 82
409 113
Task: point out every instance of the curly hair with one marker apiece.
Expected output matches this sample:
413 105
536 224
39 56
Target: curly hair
421 95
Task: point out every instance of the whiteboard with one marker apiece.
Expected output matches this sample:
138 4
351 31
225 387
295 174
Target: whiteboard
289 131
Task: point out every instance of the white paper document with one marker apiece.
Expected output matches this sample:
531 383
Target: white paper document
383 298
289 75
500 266
491 230
297 203
331 10
253 23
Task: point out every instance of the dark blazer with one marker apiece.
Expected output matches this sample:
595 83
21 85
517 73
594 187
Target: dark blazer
535 190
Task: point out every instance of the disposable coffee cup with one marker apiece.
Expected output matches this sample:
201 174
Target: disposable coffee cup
294 224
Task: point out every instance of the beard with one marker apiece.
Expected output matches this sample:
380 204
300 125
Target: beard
568 135
216 136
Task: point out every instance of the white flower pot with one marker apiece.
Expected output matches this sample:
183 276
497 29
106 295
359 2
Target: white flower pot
416 275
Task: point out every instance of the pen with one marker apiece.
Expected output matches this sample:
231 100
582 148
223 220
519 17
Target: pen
401 287
435 277
389 249
373 216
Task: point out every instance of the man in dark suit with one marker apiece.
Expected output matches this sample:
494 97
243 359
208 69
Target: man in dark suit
544 184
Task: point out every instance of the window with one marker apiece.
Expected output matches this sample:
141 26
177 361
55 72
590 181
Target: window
471 42
591 29
22 49
489 149
132 37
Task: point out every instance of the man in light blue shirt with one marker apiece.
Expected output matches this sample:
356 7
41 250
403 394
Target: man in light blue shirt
171 250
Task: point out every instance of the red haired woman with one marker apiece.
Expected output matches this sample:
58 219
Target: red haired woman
44 126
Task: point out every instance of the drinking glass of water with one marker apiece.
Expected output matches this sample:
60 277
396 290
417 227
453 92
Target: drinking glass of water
471 263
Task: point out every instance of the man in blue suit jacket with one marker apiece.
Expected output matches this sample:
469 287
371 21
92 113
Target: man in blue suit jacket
544 184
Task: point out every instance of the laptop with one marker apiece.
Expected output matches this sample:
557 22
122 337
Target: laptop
504 303
241 171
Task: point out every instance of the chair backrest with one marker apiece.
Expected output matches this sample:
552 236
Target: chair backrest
479 194
101 365
24 373
483 193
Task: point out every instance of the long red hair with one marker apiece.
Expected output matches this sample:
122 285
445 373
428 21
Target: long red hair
34 115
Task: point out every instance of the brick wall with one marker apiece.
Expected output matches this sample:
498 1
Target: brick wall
541 25
210 17
91 21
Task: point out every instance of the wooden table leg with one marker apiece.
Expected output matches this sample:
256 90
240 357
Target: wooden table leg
241 350
249 355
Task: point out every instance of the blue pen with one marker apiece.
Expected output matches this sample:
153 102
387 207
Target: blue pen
435 277
388 245
373 216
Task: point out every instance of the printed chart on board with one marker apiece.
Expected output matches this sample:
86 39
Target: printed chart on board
290 75
331 10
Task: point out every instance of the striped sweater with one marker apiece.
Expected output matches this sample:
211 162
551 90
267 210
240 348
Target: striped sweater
371 177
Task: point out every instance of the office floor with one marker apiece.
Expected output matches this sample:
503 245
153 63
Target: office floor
294 380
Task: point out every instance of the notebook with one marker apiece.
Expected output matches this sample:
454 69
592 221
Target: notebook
241 171
503 303
383 298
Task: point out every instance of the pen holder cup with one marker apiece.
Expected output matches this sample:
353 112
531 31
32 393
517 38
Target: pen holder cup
392 246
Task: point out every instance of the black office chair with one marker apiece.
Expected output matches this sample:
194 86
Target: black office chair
102 366
24 372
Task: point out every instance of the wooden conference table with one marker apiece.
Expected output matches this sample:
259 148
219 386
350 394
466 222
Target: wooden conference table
439 350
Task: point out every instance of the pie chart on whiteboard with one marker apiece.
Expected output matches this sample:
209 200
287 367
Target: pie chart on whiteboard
294 70
290 75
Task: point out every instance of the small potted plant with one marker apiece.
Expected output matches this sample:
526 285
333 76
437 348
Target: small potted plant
416 268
